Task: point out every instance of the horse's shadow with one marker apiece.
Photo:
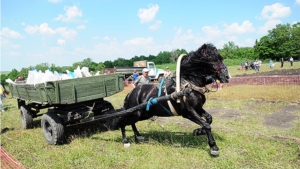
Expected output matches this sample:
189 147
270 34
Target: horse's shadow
166 138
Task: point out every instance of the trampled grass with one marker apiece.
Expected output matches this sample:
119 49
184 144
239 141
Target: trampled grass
239 113
243 140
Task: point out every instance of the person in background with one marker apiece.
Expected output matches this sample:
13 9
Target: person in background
246 65
271 63
2 96
167 73
255 63
282 62
135 74
144 79
291 60
242 65
258 64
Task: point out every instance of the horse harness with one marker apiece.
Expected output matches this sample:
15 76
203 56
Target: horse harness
186 84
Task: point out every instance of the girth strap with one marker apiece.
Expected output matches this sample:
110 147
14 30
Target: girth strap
173 110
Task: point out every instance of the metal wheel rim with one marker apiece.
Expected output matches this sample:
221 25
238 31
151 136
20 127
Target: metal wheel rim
48 130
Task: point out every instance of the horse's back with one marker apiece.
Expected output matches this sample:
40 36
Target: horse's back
139 95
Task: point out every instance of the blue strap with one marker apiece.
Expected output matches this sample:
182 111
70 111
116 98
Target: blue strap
160 86
151 101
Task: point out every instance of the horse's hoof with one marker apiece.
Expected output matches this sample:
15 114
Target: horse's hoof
140 138
214 152
126 145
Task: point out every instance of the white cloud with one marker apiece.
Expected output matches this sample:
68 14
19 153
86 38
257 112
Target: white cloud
42 29
211 31
8 44
236 29
297 2
66 33
139 41
275 11
106 38
80 27
268 26
179 31
10 33
12 53
55 1
61 42
182 39
147 15
155 26
72 12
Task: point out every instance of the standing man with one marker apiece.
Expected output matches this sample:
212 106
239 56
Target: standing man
167 73
282 61
135 74
291 60
144 79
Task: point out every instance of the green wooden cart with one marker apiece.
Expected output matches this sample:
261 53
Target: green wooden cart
69 102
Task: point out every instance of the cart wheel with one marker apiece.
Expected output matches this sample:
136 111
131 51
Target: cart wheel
52 128
26 117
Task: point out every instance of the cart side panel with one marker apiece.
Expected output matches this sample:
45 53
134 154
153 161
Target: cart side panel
25 92
70 91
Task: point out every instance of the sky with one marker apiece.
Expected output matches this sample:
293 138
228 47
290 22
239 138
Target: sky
62 32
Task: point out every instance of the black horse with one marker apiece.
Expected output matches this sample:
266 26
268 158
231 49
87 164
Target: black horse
197 69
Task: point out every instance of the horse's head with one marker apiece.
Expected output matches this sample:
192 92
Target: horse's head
215 65
221 72
205 62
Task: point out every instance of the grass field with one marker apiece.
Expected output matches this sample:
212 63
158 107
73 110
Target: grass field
242 129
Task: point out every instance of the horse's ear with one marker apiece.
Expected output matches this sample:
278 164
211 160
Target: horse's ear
203 49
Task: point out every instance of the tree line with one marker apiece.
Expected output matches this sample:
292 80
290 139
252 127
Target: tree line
283 41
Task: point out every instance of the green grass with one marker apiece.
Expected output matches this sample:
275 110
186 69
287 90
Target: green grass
244 140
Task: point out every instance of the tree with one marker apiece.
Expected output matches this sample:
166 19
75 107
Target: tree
108 64
86 62
13 74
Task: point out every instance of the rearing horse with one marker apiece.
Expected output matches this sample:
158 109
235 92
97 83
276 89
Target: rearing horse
197 69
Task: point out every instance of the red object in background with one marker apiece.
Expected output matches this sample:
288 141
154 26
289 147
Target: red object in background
8 161
19 79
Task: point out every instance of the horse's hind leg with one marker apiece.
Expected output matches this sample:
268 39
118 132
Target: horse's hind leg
138 137
125 141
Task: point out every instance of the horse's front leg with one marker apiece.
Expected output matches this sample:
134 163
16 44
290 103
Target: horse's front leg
208 119
125 140
214 150
137 136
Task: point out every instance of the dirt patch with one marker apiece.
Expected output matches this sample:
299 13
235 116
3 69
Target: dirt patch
214 111
232 113
290 108
280 120
273 73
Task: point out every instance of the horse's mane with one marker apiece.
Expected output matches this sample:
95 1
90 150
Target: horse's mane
195 63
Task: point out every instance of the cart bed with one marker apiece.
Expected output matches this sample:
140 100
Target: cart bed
69 91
